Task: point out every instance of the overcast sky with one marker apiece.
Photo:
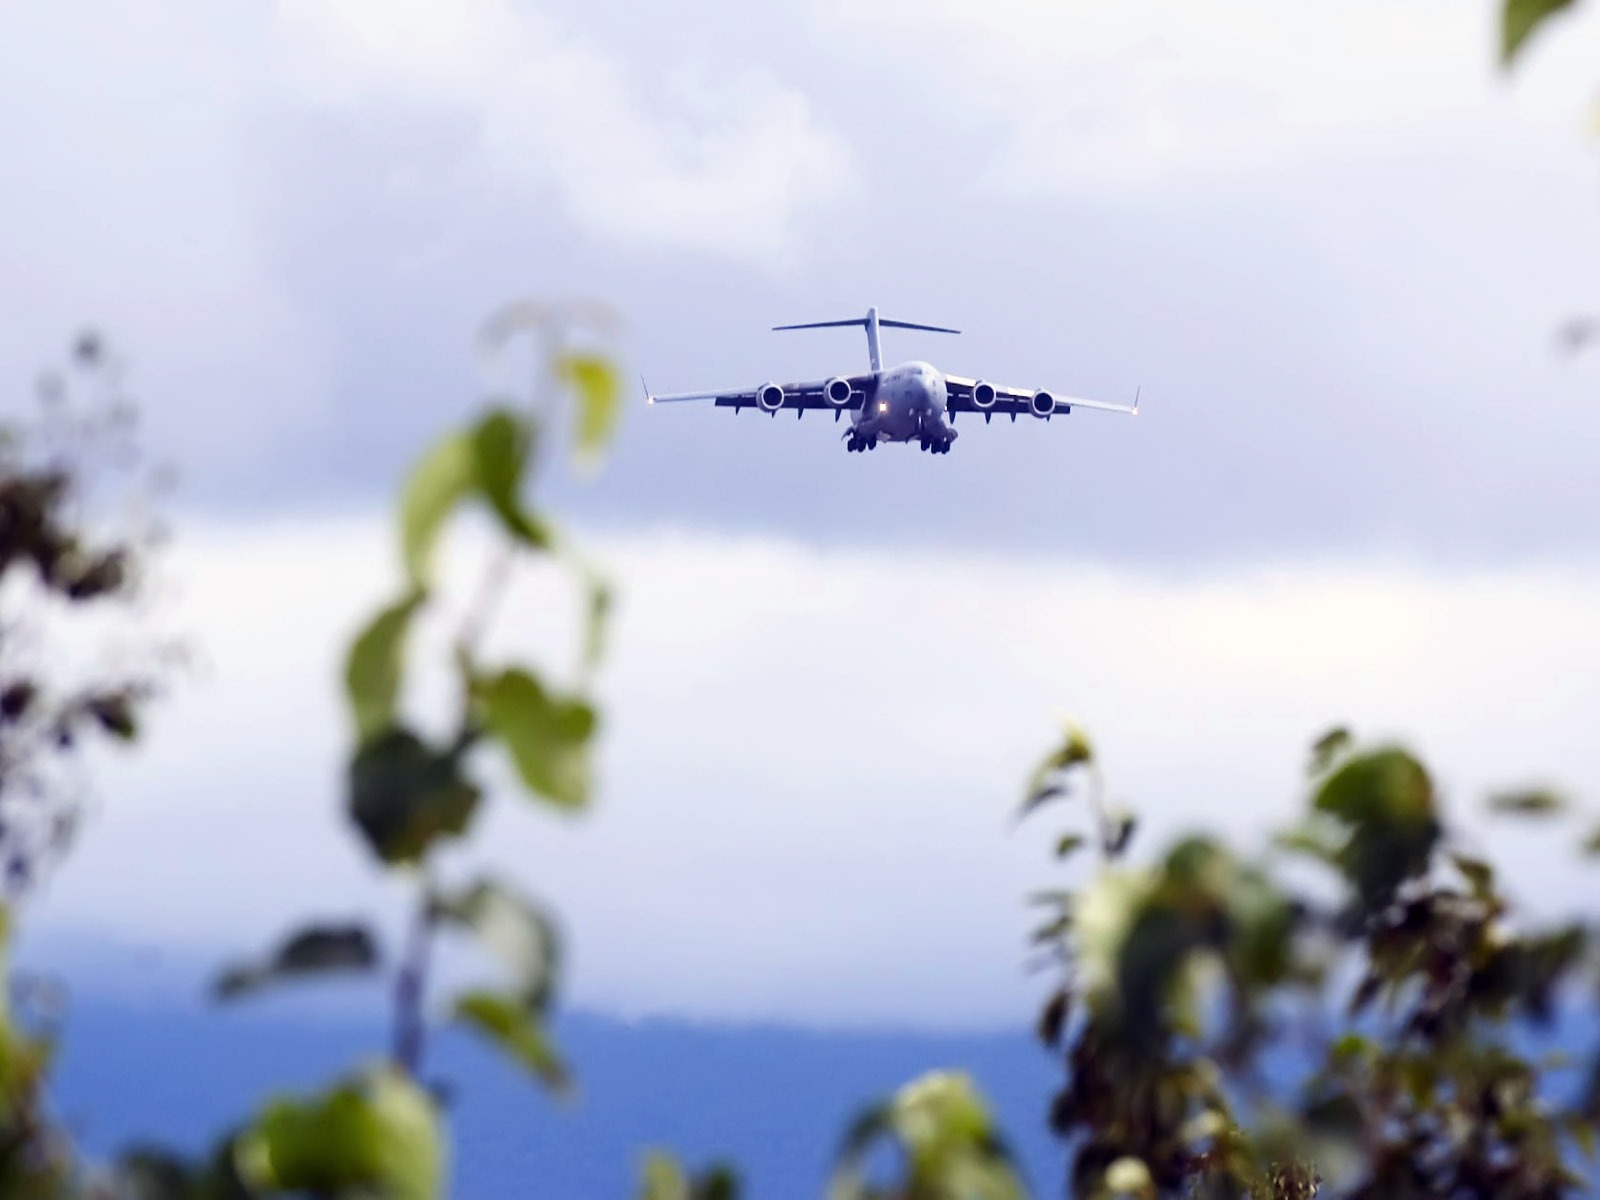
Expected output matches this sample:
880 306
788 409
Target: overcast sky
1331 242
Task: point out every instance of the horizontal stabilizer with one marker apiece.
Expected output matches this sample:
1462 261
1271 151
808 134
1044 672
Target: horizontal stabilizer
882 321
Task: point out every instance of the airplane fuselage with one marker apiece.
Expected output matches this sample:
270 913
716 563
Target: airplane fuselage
907 403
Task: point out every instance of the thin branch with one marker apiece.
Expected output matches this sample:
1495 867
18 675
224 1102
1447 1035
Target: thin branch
410 1030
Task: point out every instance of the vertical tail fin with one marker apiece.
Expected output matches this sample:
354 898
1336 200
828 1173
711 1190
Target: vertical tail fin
872 323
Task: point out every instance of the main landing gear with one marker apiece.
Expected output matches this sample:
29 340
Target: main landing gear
937 445
857 444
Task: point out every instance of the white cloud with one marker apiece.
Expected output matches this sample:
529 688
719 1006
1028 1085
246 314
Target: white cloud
721 160
129 202
811 758
1113 94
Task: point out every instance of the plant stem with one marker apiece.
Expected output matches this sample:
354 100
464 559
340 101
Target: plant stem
410 1030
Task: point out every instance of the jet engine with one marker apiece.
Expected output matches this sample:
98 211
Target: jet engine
1043 404
770 397
837 392
983 394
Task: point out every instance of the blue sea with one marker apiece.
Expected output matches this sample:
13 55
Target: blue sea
772 1100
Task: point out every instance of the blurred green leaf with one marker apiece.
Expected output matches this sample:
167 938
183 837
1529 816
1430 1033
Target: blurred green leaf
516 1028
597 616
1327 748
1520 19
1053 1017
440 481
1068 844
1073 751
500 446
514 931
373 667
376 1136
405 795
663 1178
1478 874
1386 799
1313 839
317 950
946 1135
149 1173
1120 828
1536 802
548 737
599 392
1591 844
1128 1176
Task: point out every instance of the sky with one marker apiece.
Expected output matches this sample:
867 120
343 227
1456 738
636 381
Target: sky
1331 243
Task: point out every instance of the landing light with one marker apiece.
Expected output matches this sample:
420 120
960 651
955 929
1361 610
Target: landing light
883 406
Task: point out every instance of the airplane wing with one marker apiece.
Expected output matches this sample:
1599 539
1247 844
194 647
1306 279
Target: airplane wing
796 397
1019 401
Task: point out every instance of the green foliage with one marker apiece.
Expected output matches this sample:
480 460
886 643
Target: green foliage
376 1136
406 795
374 665
1533 802
72 553
314 951
664 1178
514 1025
947 1142
519 934
1521 19
1182 976
599 392
1384 801
548 737
437 484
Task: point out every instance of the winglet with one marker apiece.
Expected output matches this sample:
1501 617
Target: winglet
1136 392
648 398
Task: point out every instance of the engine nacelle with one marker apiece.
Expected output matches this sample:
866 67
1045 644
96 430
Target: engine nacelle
983 394
1043 404
769 396
837 392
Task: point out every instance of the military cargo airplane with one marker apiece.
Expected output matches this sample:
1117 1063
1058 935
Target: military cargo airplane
907 403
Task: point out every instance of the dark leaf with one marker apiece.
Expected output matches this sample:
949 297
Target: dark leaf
1533 802
1386 800
1520 19
314 951
404 796
1073 751
548 737
517 1029
1054 1017
1329 747
1479 874
113 712
1120 828
1068 844
147 1173
16 699
373 667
